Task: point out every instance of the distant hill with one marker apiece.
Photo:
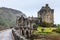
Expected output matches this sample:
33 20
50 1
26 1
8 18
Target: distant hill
8 16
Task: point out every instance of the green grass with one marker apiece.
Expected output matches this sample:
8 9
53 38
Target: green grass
54 34
50 29
46 30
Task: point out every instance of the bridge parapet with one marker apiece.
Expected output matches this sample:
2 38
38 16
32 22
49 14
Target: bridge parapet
17 36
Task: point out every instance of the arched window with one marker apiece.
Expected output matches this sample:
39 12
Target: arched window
27 34
22 32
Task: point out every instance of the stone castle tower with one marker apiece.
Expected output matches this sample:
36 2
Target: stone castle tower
46 14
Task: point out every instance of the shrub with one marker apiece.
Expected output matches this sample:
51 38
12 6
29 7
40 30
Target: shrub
58 29
45 24
35 26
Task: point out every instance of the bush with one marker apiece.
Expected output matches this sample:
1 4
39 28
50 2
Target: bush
58 29
35 26
45 24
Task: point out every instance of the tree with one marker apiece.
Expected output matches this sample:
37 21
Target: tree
58 28
50 24
35 26
45 24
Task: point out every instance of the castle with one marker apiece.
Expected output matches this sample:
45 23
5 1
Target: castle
45 14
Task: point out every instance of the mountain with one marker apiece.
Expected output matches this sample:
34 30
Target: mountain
8 16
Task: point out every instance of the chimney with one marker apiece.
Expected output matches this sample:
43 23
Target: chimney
46 5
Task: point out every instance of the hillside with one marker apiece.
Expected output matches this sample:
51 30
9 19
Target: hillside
8 16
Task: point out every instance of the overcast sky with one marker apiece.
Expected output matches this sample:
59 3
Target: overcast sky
31 7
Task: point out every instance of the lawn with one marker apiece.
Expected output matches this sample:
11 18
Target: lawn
44 30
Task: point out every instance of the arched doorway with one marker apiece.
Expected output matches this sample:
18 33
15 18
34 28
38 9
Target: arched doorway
22 33
27 34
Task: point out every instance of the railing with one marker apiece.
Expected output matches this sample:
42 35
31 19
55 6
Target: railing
17 36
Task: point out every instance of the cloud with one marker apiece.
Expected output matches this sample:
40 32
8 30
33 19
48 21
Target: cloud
31 7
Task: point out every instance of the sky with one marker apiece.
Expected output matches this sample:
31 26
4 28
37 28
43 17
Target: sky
31 7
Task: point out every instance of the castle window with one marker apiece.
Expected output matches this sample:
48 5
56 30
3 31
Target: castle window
22 32
24 27
47 18
27 33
